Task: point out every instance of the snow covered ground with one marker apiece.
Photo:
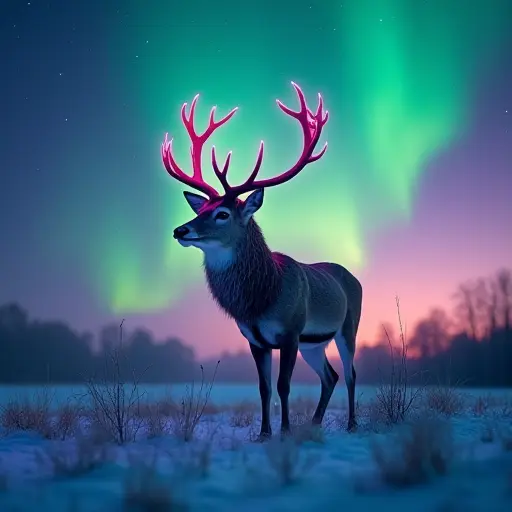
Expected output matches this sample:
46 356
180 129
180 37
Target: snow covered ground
462 462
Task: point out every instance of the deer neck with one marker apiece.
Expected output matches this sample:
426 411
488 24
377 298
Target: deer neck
245 280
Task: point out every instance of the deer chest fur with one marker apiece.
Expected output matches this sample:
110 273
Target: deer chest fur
244 296
251 283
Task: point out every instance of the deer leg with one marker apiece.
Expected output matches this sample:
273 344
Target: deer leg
345 342
315 357
289 348
263 359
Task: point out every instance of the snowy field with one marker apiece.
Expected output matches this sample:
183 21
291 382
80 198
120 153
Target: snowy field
161 451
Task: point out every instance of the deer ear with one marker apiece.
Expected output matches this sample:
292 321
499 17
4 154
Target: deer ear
195 201
252 205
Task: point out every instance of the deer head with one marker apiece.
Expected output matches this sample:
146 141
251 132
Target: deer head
222 220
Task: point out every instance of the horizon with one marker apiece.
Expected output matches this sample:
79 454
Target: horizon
412 196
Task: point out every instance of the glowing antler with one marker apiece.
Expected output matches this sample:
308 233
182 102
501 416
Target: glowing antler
311 123
196 181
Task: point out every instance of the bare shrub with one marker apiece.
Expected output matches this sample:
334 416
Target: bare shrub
157 418
29 414
422 450
242 415
66 421
395 399
145 491
116 405
193 406
444 400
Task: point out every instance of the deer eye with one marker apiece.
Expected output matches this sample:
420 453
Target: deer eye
222 216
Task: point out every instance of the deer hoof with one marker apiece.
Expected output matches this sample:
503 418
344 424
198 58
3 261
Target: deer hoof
352 425
264 437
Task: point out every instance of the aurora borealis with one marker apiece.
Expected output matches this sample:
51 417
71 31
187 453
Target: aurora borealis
92 89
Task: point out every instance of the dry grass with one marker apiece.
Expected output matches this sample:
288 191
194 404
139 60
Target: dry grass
444 400
422 450
499 406
29 414
67 421
242 415
395 399
35 415
302 410
115 404
157 416
193 406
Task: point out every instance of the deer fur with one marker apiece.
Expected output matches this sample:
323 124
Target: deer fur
277 302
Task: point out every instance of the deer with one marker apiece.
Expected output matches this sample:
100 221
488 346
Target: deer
278 303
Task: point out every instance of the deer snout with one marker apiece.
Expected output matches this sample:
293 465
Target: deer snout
180 232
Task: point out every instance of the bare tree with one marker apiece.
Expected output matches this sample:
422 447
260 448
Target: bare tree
395 397
116 404
492 298
471 299
504 285
493 307
431 334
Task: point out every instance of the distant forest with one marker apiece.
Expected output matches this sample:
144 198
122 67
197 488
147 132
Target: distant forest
470 346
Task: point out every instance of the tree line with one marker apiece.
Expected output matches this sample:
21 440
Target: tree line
471 345
34 351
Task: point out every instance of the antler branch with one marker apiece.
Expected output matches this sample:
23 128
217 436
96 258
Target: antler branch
311 124
196 181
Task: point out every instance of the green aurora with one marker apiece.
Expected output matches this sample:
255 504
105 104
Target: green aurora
394 75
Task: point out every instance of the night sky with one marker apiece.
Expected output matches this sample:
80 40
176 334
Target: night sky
413 194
